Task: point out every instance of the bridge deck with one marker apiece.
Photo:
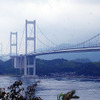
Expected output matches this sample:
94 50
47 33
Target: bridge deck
71 50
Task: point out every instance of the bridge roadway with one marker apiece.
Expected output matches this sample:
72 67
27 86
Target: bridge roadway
70 50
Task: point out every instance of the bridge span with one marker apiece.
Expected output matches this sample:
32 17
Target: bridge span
21 62
70 50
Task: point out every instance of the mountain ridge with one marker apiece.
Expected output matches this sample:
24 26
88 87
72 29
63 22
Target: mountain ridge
47 67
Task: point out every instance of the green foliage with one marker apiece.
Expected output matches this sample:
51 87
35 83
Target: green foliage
68 96
61 65
15 92
7 68
46 67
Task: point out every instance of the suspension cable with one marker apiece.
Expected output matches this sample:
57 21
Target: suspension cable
21 40
46 36
7 46
42 42
87 40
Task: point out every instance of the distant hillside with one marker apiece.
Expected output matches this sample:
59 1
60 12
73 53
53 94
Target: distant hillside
6 68
1 61
47 67
61 65
82 60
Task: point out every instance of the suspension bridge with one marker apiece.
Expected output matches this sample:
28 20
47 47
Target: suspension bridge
23 61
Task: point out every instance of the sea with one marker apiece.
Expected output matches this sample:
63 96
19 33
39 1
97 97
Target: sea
49 88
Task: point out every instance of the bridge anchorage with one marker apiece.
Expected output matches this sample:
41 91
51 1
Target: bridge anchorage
24 61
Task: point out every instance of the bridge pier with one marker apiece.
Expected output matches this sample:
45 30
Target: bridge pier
25 65
28 67
29 63
34 71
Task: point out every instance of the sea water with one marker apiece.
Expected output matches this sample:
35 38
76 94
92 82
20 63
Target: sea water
49 88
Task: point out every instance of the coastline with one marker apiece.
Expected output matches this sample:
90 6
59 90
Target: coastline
55 76
10 75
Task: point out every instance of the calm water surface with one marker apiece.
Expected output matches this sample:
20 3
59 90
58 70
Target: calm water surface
48 88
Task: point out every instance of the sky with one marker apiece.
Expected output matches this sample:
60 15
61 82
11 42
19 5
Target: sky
61 21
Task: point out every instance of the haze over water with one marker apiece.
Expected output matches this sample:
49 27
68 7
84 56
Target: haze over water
48 88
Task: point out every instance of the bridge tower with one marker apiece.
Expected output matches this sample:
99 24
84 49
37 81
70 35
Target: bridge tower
13 43
27 59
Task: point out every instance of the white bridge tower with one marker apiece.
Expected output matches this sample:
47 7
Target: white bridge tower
13 43
27 59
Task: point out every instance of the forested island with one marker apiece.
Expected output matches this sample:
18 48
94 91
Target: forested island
56 67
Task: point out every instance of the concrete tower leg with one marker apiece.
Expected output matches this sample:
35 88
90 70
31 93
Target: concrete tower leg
25 65
34 70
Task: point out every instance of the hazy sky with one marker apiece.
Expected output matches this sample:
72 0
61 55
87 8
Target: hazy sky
62 21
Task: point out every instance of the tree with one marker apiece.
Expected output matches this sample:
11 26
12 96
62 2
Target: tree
15 92
68 96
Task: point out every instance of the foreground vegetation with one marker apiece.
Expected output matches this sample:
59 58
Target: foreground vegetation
16 92
68 96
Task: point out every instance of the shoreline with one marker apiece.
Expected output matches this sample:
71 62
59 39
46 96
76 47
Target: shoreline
10 75
60 76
